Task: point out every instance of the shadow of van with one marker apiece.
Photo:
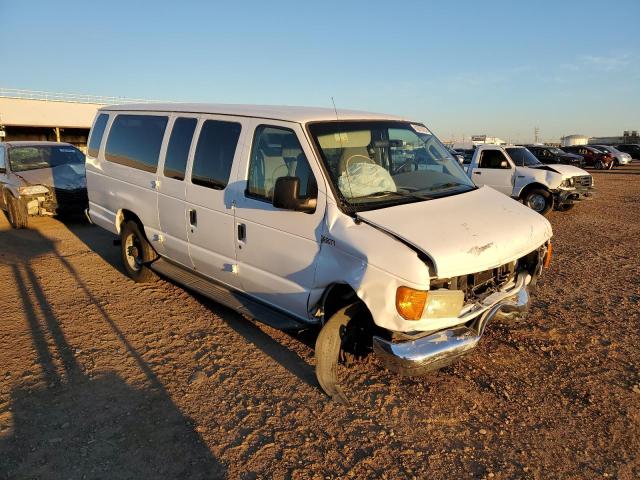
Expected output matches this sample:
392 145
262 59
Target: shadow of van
76 425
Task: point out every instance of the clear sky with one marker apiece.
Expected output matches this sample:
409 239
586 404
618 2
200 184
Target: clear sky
463 68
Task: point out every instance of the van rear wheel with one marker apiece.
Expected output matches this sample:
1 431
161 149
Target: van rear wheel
137 253
539 200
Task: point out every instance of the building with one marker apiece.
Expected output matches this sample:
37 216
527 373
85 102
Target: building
628 136
32 115
478 140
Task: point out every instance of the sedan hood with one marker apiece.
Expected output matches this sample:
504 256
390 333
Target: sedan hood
66 177
465 233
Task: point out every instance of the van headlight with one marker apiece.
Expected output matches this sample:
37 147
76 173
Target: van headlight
33 190
417 304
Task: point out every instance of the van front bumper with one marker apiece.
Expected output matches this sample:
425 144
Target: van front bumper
436 350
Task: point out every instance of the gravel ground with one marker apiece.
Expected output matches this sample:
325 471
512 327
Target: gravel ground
104 378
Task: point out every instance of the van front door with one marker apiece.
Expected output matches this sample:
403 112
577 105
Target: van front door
210 209
495 171
171 186
277 249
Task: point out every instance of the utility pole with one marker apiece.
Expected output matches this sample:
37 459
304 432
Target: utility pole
536 134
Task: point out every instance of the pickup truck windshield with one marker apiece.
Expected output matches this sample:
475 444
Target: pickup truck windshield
35 157
522 157
375 163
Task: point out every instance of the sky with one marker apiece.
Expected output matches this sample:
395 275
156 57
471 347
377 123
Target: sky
463 68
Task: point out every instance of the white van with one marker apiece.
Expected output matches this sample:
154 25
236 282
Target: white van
359 223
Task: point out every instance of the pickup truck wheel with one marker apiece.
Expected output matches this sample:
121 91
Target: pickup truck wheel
17 212
539 200
565 207
137 253
341 339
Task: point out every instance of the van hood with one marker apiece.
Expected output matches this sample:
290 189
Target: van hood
465 233
66 177
567 171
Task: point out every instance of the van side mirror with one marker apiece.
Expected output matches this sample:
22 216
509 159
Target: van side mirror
504 164
286 196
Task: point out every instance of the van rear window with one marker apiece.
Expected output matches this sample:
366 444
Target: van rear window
96 134
135 141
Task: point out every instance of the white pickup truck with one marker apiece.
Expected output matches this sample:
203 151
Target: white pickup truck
516 172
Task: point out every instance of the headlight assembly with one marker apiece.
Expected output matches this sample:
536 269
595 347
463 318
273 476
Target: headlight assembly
33 190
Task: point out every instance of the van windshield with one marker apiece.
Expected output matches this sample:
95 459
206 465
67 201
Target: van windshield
35 157
376 163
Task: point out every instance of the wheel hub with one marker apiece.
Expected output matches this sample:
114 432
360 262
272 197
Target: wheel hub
537 202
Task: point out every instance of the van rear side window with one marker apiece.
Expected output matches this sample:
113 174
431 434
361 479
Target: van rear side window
175 162
135 141
96 134
214 154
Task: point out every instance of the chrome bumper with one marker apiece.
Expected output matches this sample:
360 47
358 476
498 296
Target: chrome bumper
436 350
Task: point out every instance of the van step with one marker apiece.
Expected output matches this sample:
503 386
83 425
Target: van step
231 299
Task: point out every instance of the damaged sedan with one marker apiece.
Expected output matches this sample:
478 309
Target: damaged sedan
41 178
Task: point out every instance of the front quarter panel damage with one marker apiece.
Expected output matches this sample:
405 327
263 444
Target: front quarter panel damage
372 263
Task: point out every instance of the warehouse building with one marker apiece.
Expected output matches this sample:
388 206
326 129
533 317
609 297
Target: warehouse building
33 115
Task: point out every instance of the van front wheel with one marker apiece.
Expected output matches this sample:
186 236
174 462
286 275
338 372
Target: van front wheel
137 253
344 339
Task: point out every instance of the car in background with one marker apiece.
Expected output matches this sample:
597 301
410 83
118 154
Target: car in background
41 178
632 149
592 156
619 158
457 155
555 156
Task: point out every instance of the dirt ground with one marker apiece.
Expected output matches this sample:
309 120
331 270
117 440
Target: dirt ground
104 378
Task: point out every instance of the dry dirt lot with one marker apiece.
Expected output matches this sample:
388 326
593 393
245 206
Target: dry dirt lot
104 378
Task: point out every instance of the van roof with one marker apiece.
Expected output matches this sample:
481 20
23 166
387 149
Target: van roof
272 112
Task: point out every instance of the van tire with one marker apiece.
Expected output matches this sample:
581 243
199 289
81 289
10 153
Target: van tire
17 212
328 351
137 253
539 200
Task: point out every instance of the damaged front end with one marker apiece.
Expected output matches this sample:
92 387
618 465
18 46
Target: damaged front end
502 292
574 190
41 200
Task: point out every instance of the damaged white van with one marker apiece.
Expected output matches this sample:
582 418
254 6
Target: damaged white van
361 224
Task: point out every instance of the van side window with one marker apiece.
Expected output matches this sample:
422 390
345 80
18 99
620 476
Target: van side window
277 153
175 162
214 154
3 165
96 134
135 140
492 159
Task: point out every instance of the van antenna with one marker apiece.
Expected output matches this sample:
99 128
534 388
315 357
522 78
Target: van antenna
334 108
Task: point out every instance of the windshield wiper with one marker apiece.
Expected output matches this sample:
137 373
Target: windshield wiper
384 193
446 185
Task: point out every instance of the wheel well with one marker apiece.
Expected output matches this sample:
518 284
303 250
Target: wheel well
532 186
337 296
124 215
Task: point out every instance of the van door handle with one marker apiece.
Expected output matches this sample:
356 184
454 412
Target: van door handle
477 173
193 217
242 231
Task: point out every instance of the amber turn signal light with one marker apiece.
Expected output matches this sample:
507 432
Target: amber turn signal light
547 256
410 303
